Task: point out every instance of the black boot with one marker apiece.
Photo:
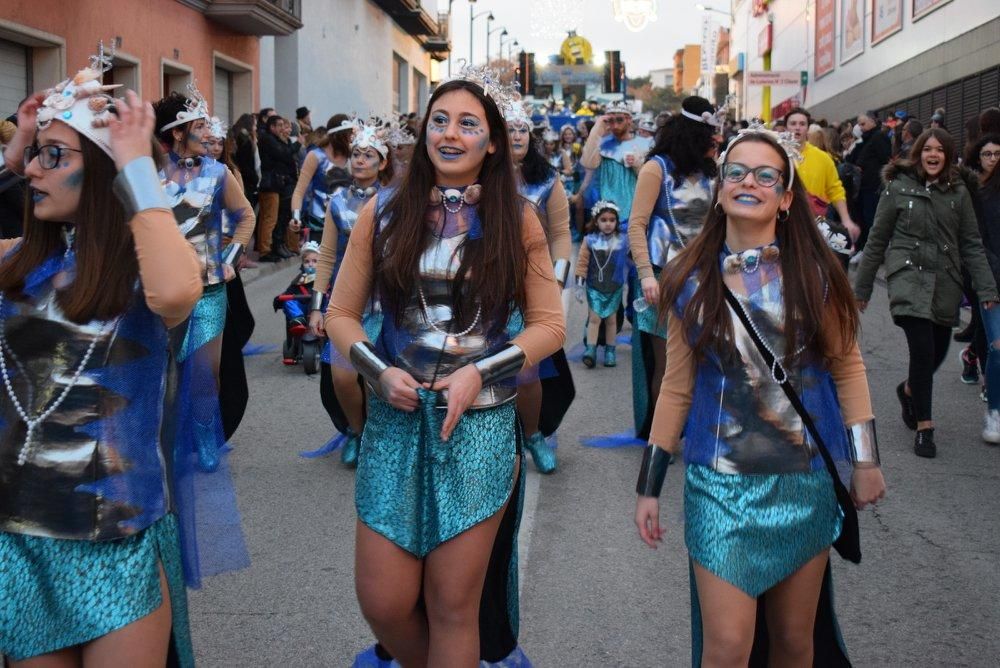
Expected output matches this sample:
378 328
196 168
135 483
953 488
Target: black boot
923 444
906 402
965 336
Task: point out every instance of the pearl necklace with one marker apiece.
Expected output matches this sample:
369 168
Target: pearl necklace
433 325
607 261
749 261
34 422
446 196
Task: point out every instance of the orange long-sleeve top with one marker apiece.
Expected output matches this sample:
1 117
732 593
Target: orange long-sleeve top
545 328
674 401
647 191
168 265
556 224
234 199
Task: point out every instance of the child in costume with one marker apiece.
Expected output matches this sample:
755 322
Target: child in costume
297 297
601 273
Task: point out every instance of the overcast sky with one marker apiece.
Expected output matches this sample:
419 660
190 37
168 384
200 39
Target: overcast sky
540 25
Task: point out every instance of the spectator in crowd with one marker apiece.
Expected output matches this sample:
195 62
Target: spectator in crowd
871 153
279 173
11 197
303 122
989 121
937 119
911 130
989 228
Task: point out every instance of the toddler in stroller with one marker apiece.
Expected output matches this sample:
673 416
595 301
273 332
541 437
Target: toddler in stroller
300 344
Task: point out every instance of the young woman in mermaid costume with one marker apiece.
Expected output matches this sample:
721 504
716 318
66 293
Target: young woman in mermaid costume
439 478
760 509
90 539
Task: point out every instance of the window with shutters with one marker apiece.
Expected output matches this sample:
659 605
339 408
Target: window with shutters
15 76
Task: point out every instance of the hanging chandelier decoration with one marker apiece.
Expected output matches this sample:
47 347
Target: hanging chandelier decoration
635 14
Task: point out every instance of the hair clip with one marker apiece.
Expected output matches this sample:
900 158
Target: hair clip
604 205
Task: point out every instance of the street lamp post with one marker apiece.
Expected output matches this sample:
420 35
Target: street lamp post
489 20
503 35
746 56
472 18
490 32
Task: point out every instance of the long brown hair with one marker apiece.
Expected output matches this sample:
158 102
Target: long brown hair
499 257
339 142
106 266
949 173
807 294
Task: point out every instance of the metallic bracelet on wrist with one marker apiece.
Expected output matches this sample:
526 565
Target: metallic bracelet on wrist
138 188
317 301
297 215
366 361
653 471
501 365
862 443
561 269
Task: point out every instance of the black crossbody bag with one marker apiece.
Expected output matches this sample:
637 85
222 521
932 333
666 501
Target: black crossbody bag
848 543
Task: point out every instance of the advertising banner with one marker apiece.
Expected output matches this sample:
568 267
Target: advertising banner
922 8
887 19
826 44
852 29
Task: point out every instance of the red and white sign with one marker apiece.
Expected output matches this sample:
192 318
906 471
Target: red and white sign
826 42
766 78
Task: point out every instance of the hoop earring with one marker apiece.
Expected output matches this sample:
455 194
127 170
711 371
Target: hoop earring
718 209
780 218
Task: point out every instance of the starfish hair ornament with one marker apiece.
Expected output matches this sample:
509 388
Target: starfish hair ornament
82 101
604 205
195 108
786 140
490 81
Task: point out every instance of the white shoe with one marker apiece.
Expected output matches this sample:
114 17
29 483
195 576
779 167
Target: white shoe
991 426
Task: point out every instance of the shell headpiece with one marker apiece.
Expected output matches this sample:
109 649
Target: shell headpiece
786 140
216 128
516 113
195 108
371 133
619 107
490 80
82 102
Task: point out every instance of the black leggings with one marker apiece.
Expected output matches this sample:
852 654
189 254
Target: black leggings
928 344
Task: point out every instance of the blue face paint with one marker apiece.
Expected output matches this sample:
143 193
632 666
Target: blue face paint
484 143
74 180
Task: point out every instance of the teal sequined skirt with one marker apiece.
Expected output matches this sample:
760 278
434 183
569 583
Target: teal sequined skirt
59 593
418 491
753 531
207 320
604 304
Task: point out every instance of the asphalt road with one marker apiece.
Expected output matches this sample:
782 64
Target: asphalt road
926 594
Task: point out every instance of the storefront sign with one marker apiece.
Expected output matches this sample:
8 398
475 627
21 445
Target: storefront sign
922 8
887 19
826 44
766 78
782 109
765 40
852 29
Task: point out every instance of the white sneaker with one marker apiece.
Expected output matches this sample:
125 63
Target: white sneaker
991 426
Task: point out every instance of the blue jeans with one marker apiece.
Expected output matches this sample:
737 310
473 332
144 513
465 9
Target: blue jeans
991 322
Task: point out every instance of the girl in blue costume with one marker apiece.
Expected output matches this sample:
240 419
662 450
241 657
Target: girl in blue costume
450 255
325 168
668 209
759 505
601 272
539 183
90 546
199 189
343 398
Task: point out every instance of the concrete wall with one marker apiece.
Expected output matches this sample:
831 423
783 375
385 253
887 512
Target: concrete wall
151 31
342 62
960 38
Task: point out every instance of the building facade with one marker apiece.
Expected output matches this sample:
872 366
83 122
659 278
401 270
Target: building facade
858 55
687 69
160 46
355 56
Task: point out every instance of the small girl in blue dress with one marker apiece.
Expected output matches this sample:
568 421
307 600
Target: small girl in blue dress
601 270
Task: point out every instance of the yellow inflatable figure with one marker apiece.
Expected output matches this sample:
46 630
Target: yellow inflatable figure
576 49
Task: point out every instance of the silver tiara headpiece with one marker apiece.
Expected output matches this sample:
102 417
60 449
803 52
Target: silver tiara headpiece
603 204
195 108
370 133
490 80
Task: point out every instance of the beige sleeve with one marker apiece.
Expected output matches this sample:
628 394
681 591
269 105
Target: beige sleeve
234 200
309 166
168 266
583 260
674 401
849 375
353 286
557 224
545 327
590 157
327 254
647 191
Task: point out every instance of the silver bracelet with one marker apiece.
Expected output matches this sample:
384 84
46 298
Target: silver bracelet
561 269
317 301
138 187
652 471
366 361
862 443
501 365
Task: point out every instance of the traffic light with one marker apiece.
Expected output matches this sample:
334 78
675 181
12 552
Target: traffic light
526 73
614 72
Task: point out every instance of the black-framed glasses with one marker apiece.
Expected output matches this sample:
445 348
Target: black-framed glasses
48 155
990 155
765 175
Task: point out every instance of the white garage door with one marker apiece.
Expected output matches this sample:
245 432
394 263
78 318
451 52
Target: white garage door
13 76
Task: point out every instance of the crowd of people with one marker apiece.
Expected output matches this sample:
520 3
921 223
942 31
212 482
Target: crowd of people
434 250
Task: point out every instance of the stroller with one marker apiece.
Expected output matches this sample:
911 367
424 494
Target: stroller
301 345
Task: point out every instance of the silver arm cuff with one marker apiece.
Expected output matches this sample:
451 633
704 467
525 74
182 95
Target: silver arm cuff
8 177
500 365
863 443
297 215
317 301
652 471
367 362
561 270
232 254
138 187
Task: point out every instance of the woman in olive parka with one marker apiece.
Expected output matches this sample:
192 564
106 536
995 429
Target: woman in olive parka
925 231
